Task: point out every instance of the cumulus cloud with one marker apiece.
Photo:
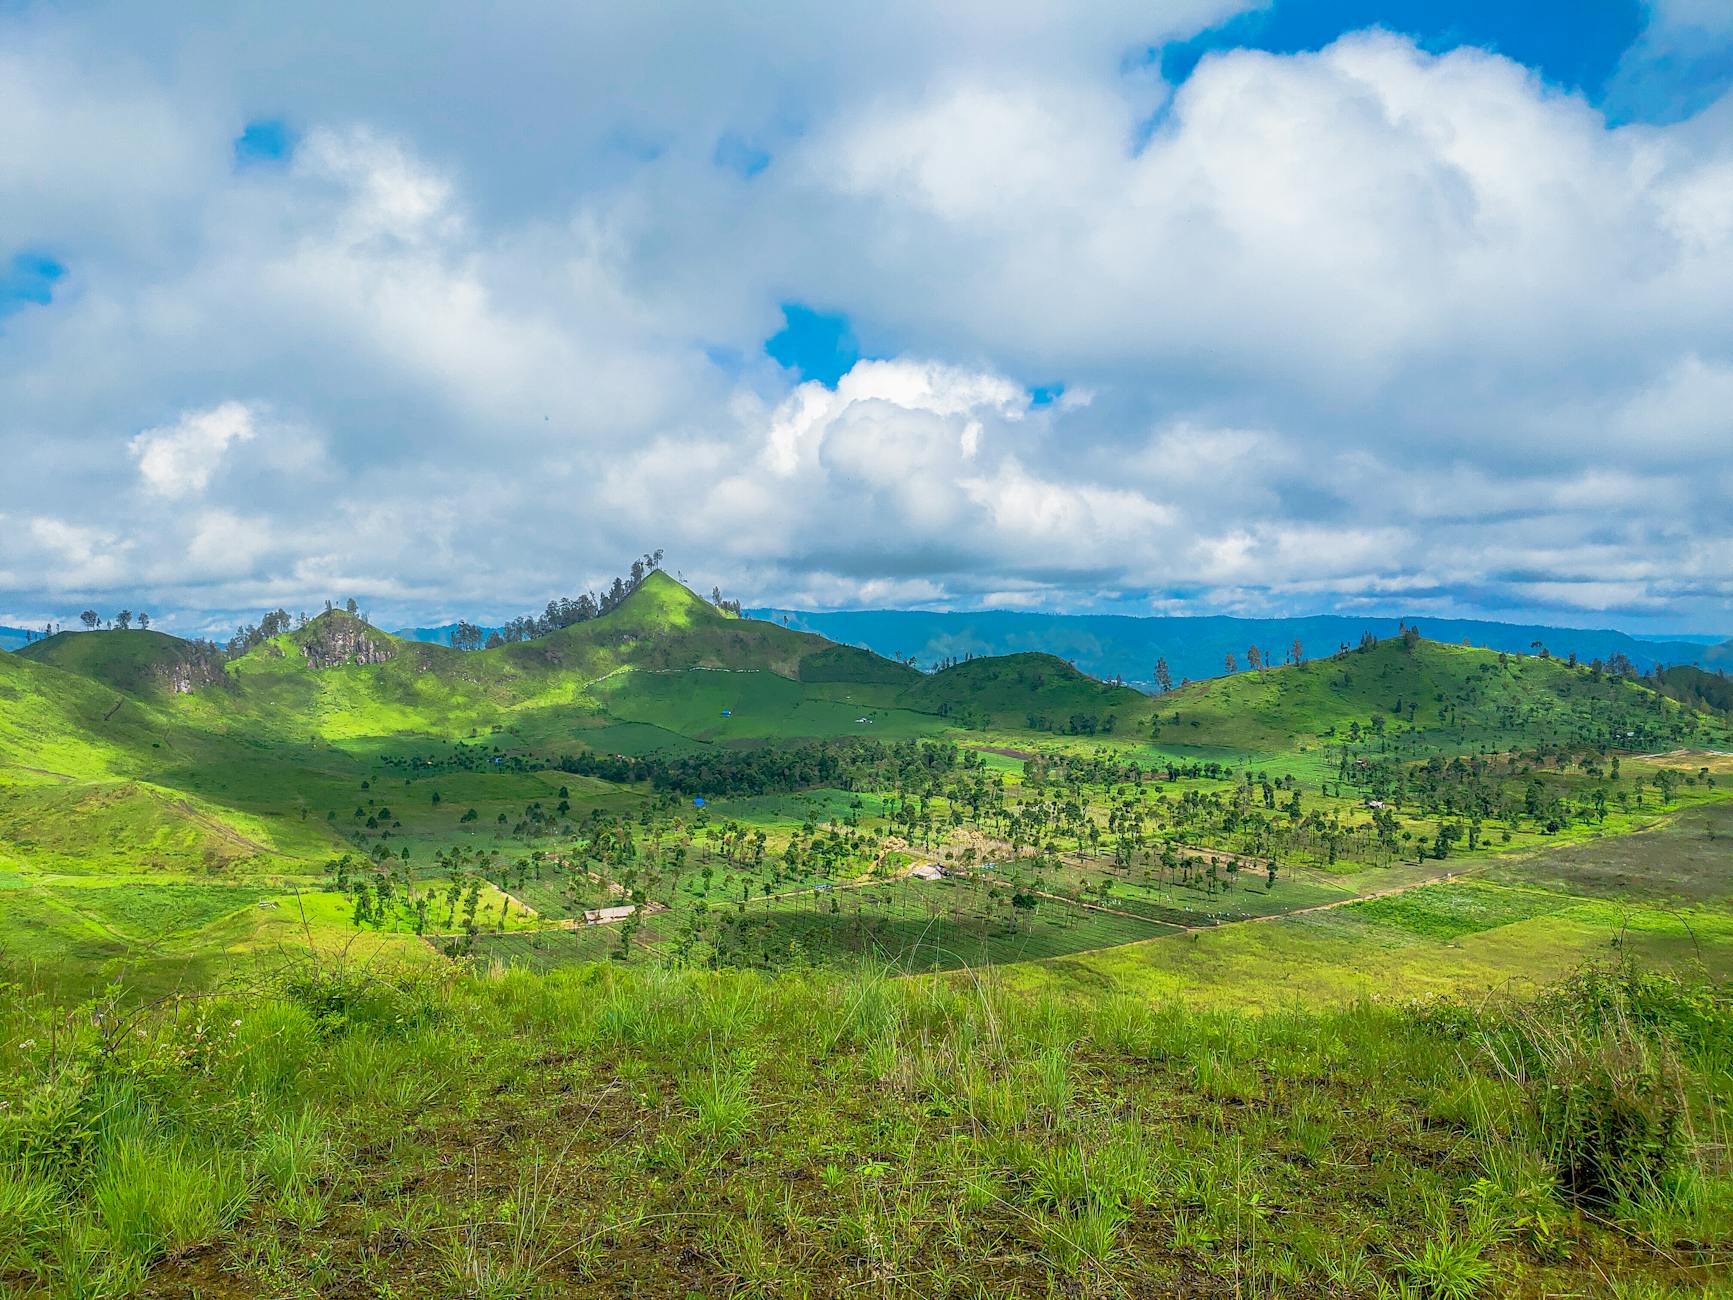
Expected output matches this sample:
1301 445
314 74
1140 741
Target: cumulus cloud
178 460
1364 324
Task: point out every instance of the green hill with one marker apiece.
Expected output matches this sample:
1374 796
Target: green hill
62 724
138 662
1699 689
1039 692
654 658
356 852
1425 696
667 659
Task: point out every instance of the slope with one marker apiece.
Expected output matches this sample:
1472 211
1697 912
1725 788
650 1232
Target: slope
138 662
1424 696
1039 692
59 724
1127 646
340 680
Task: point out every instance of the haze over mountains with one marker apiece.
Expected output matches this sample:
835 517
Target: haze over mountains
1112 645
1127 646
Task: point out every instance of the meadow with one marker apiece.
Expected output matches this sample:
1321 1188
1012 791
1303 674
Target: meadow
673 953
615 1131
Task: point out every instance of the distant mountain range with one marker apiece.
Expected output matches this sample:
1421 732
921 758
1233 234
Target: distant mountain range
440 635
1126 646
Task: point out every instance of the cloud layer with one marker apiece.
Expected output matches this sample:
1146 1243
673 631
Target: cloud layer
1362 327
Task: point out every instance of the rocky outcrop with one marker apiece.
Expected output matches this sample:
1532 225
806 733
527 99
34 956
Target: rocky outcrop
193 672
333 641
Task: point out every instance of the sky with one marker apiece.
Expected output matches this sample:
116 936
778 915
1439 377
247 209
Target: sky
1176 306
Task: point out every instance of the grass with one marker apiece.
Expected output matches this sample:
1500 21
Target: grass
158 911
1116 1067
1336 958
342 1130
924 926
1448 911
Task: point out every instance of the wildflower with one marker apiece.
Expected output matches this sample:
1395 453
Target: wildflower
27 1044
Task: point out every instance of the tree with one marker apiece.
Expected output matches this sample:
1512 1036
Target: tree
143 621
123 620
90 618
1298 652
1254 658
1163 676
351 608
1230 663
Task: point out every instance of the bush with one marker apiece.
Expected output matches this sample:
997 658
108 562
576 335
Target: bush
1611 1115
1606 1092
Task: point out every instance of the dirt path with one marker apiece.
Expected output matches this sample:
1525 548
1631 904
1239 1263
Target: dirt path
227 832
62 777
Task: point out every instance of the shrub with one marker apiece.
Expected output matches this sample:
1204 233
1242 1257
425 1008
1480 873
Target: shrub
1606 1092
1611 1115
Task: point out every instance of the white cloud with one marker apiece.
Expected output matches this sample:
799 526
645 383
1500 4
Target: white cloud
178 460
78 557
1345 325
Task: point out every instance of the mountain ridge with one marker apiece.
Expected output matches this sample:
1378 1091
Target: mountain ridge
1126 646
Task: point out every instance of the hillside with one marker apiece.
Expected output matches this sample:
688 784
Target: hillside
1699 689
653 874
1427 696
668 660
57 723
138 662
338 679
1040 692
1127 646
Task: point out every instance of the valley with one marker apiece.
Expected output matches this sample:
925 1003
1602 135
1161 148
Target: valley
781 914
741 794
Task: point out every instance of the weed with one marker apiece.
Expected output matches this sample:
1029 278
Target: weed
157 1198
1446 1267
721 1103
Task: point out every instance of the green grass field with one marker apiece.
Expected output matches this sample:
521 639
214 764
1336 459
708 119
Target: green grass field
1208 995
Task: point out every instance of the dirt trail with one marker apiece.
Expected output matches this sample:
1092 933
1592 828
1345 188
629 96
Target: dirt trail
227 832
43 771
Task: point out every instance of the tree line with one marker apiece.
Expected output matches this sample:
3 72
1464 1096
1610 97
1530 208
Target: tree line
847 762
561 612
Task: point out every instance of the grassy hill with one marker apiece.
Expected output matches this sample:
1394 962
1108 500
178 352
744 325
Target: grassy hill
1699 689
1424 696
682 954
1036 691
664 656
1127 647
64 724
139 662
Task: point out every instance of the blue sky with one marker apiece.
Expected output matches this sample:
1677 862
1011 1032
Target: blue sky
1174 305
1572 44
265 141
28 281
